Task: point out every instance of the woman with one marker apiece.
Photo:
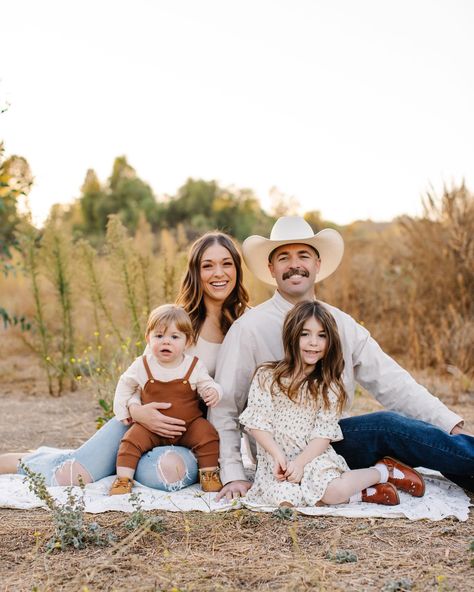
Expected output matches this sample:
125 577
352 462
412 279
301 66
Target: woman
213 295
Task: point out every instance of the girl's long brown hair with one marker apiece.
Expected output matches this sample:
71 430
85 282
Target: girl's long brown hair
327 372
190 295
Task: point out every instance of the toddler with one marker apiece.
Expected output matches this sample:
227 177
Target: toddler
168 375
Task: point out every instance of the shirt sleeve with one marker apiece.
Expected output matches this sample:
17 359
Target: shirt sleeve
127 387
327 422
236 365
203 381
258 414
393 386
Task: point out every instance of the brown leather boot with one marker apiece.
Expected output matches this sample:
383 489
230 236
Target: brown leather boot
121 486
408 479
385 494
210 480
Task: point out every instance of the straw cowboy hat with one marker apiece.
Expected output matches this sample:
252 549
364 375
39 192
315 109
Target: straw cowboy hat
293 229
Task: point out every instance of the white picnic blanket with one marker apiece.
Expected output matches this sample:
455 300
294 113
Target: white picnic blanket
442 499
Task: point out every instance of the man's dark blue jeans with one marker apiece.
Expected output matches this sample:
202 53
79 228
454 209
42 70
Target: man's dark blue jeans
369 437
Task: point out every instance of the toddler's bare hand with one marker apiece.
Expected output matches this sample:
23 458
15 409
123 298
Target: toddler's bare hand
211 397
127 421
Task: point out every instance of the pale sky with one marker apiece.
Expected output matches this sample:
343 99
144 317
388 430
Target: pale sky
353 107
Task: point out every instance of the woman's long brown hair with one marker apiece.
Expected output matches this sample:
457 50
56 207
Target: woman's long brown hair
190 295
327 372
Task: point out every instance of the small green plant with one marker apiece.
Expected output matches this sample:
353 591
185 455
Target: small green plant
28 241
400 585
249 519
139 519
56 252
108 413
342 556
70 527
284 513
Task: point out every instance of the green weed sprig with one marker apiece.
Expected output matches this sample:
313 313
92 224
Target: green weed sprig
56 252
139 519
70 527
28 238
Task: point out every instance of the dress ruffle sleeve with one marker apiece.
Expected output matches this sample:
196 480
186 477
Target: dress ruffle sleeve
327 422
258 414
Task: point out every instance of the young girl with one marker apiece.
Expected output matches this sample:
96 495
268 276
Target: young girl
167 374
293 411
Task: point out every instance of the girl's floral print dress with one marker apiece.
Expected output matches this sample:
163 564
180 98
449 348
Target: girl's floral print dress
293 424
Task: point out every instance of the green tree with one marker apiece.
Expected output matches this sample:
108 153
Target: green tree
124 194
15 181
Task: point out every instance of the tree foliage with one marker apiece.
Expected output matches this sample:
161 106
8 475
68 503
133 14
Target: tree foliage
198 206
15 182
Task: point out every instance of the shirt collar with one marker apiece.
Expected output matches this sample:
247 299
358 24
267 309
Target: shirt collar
281 303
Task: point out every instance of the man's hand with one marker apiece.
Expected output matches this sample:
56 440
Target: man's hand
234 490
150 418
458 429
211 397
294 471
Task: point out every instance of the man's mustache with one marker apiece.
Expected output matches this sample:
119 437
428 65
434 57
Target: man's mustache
295 271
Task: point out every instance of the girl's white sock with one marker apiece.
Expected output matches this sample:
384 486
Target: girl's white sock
357 497
383 470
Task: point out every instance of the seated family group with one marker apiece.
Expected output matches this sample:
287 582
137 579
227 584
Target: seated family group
285 372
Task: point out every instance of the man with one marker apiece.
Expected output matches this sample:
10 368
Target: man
419 429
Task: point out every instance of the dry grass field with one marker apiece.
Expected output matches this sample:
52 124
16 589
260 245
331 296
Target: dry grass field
237 550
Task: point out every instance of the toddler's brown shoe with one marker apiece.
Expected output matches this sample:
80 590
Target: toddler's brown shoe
382 493
121 486
404 477
210 480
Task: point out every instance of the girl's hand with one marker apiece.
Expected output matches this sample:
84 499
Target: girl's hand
127 421
211 397
280 466
294 471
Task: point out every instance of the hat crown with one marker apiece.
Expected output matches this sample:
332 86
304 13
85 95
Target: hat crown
291 228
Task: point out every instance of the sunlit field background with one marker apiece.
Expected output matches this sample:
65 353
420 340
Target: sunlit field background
75 295
78 291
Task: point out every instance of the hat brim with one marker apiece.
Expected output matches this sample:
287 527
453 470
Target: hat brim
328 242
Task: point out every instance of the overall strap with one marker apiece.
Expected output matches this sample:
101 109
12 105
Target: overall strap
191 368
147 368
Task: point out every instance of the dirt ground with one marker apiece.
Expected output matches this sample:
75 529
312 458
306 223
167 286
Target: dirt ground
231 551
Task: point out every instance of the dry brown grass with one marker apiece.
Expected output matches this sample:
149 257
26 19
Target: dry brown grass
241 551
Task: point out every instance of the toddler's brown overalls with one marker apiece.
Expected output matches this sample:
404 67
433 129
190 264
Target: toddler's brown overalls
200 436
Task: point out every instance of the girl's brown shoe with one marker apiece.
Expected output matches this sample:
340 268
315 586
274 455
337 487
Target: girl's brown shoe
121 486
210 480
404 477
382 493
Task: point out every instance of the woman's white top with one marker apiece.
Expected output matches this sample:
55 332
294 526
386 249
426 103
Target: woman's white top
207 352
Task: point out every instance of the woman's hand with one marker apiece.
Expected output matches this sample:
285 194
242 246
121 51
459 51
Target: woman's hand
294 471
211 397
149 417
280 466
